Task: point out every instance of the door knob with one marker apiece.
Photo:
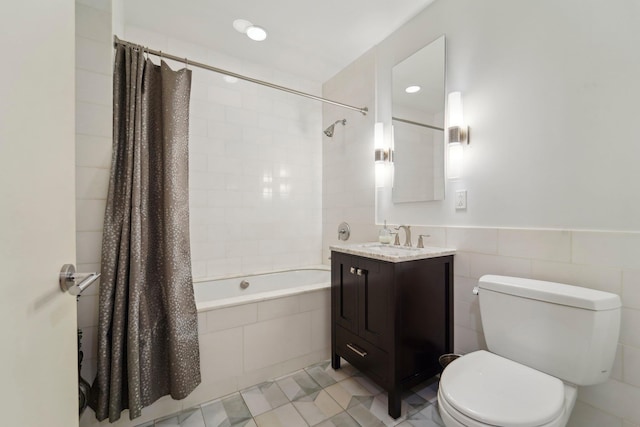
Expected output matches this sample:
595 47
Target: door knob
69 277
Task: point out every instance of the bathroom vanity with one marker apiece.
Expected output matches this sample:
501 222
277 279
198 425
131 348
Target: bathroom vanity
391 312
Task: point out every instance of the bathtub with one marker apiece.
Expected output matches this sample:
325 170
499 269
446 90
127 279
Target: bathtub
279 324
242 289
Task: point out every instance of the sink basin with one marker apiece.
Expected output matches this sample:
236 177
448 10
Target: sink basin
390 252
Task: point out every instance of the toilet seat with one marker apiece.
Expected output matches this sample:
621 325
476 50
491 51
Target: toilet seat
482 389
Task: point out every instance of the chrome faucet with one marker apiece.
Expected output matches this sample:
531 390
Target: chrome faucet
407 234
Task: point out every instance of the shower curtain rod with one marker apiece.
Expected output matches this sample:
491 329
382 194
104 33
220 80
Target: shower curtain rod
398 119
117 41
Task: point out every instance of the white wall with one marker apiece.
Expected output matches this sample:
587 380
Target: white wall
549 92
547 88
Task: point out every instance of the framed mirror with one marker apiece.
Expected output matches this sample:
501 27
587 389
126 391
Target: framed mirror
418 102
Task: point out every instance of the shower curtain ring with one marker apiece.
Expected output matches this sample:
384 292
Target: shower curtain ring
186 63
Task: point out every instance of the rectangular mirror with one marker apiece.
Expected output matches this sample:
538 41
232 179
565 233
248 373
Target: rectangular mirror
418 125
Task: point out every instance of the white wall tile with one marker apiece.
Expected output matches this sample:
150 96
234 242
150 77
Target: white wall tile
274 340
595 277
231 317
482 240
90 214
93 88
92 183
603 248
584 415
88 311
630 326
462 263
631 369
93 56
616 370
550 245
93 119
93 151
480 265
613 397
631 289
278 307
88 247
321 328
463 289
221 355
93 23
315 300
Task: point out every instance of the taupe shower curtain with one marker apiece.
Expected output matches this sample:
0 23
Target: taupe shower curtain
147 333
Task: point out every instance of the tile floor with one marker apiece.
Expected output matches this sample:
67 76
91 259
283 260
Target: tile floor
314 396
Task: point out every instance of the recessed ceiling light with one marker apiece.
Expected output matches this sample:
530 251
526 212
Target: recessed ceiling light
413 89
256 33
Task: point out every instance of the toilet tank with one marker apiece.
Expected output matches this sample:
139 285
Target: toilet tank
567 331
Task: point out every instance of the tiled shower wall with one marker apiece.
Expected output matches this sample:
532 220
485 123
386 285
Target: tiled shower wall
255 162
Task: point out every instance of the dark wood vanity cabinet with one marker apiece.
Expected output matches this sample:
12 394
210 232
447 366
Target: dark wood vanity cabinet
391 320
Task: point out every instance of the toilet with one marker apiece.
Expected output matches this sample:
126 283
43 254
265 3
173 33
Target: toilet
545 339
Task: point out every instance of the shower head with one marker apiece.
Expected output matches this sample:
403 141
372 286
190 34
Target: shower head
329 131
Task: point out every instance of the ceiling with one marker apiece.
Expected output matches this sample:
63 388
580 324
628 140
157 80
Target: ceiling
310 39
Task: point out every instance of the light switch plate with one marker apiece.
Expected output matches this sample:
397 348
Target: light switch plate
461 199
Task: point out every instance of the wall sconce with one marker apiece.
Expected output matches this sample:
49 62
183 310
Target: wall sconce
458 134
382 153
458 131
383 157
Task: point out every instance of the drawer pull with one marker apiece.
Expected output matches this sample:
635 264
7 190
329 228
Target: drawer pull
357 351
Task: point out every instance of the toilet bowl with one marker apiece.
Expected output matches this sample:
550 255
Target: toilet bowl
544 340
483 389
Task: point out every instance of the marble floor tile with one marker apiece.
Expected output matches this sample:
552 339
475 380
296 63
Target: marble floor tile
349 393
317 407
298 385
189 418
325 375
264 397
230 411
427 417
343 419
284 416
428 390
317 396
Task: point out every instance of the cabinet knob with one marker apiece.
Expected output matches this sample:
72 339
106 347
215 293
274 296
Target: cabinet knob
352 270
359 272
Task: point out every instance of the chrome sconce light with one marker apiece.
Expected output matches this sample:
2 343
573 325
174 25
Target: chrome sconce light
458 131
458 135
382 153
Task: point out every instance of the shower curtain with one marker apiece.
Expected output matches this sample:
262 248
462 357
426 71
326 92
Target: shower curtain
147 330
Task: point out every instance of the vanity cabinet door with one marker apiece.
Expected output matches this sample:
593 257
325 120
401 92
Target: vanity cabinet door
375 295
344 292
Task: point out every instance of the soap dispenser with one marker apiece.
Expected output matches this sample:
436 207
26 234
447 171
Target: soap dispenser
384 236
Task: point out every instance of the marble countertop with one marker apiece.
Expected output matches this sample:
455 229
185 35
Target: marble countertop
391 253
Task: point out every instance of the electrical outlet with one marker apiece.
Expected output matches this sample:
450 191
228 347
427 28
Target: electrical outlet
461 199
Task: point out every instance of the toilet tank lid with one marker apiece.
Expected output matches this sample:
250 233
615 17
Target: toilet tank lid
557 293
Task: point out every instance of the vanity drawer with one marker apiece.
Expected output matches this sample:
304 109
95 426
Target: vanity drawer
362 355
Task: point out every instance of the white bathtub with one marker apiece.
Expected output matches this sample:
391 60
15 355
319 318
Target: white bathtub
225 292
